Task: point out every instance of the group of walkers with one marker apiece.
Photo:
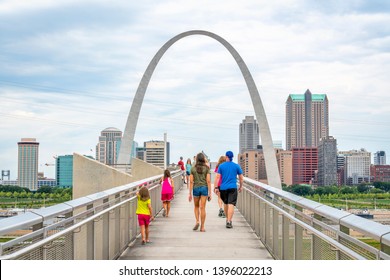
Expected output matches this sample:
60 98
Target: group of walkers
197 176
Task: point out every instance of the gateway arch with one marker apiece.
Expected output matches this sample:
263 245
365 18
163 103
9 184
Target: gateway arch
265 134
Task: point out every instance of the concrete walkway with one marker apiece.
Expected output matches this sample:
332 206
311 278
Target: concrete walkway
172 238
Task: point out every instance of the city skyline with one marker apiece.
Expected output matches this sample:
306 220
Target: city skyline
67 75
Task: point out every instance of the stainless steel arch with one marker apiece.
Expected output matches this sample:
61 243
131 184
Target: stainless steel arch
266 139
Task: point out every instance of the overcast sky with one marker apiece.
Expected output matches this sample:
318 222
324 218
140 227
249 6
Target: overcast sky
70 69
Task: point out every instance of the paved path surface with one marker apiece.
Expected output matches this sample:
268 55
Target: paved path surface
172 238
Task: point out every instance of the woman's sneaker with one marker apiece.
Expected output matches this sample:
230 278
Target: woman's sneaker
229 225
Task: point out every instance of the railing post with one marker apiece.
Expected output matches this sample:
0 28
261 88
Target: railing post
298 251
252 212
243 206
257 217
98 238
262 221
268 225
285 238
133 220
345 230
124 214
275 231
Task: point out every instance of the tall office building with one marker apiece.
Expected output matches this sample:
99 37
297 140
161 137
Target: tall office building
154 153
108 147
64 171
28 149
307 119
249 134
327 162
380 158
356 166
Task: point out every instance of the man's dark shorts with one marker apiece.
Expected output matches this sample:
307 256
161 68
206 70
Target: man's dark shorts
229 196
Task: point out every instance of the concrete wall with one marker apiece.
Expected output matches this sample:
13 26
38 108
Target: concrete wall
91 176
141 169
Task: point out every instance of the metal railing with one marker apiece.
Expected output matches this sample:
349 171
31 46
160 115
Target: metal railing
95 227
292 227
102 225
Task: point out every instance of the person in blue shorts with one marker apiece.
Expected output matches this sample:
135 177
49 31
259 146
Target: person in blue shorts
228 172
200 189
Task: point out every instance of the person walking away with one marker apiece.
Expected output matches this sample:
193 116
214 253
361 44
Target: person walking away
228 172
221 212
167 192
200 189
188 171
181 164
144 213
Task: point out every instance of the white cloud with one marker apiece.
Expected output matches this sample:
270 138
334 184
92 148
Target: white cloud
71 68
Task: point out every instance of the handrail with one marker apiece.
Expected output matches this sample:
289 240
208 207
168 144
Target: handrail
67 230
340 223
341 247
92 207
277 217
339 216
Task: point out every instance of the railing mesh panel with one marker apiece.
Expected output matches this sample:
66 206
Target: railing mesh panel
324 251
354 247
289 250
307 240
36 254
60 249
22 244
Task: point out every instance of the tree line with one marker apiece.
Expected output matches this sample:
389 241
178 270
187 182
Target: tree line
23 197
364 188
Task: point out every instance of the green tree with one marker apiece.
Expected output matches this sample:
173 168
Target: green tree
301 190
348 190
363 188
45 189
385 186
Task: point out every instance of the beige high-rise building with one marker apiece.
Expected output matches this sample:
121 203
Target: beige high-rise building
356 166
108 147
307 119
154 153
284 159
28 149
249 136
253 165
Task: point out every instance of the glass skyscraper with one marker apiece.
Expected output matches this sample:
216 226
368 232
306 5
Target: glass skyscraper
64 171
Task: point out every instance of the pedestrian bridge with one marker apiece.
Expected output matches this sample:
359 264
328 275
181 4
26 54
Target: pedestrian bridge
268 224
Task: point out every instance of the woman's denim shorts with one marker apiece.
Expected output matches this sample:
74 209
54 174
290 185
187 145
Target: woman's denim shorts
200 191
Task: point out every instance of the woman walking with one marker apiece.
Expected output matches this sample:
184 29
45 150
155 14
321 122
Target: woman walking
200 189
221 213
188 171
